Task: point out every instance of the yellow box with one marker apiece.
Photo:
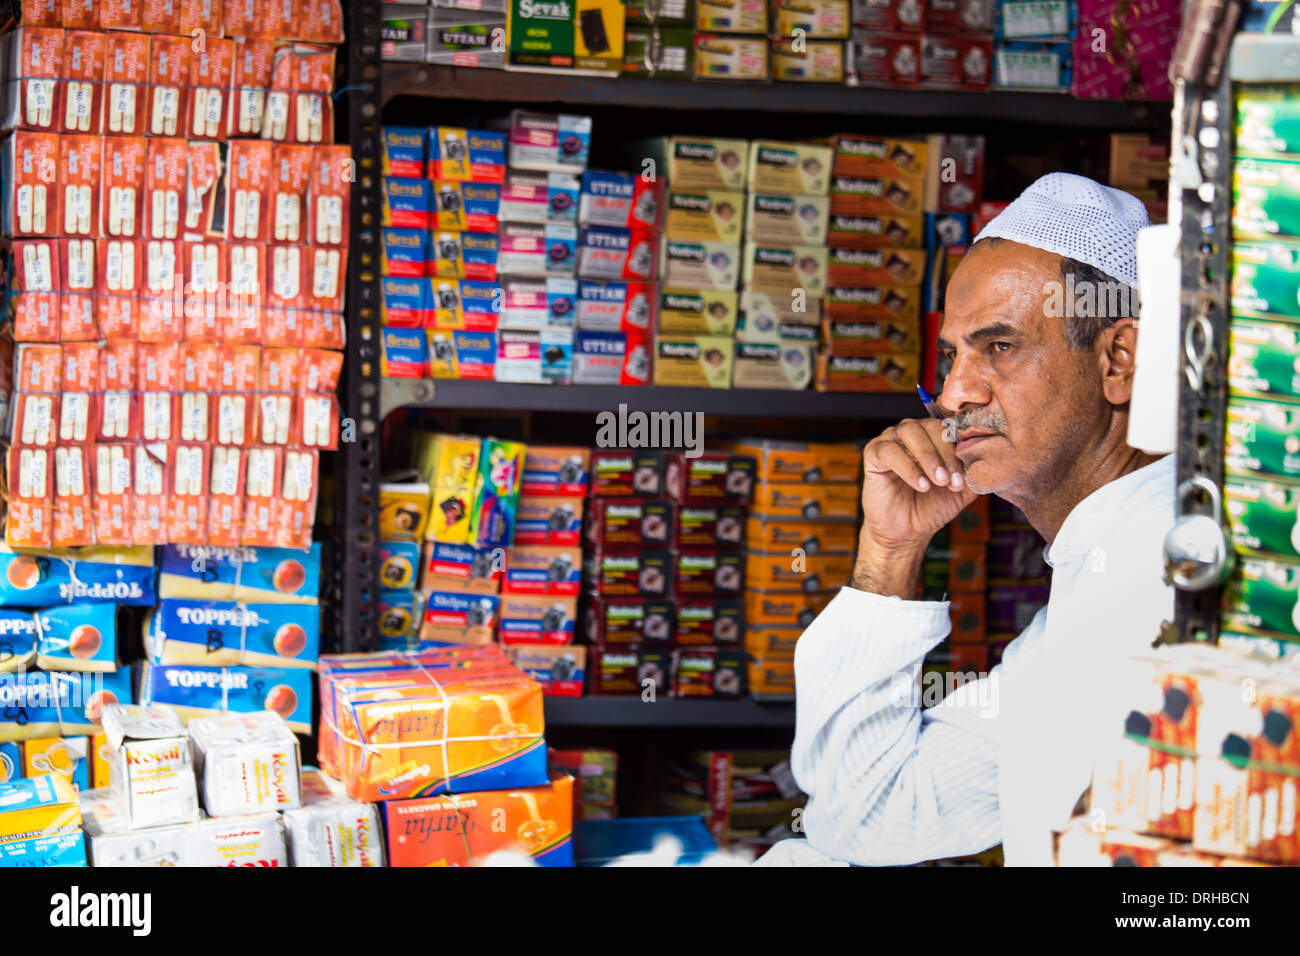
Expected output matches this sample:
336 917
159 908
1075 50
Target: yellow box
779 268
769 643
783 571
783 608
798 168
449 463
818 62
711 215
609 56
771 677
692 312
702 361
811 463
99 765
67 757
698 162
814 537
810 502
403 509
40 822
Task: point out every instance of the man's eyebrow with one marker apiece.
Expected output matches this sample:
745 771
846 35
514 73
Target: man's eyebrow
998 330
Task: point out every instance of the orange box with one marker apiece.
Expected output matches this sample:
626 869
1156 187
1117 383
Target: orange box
113 488
810 502
814 537
245 295
162 299
771 677
118 412
84 57
792 462
287 276
120 15
158 379
126 73
118 317
169 78
298 489
187 502
30 522
291 175
242 18
80 15
783 608
321 21
120 280
36 401
298 105
41 13
99 763
248 190
770 643
225 495
35 75
971 526
966 566
80 379
316 420
465 829
280 19
40 369
205 268
329 195
204 15
320 370
74 524
806 573
866 373
122 187
160 16
254 58
967 611
261 496
873 267
165 180
34 210
200 363
323 282
282 370
37 273
322 330
151 477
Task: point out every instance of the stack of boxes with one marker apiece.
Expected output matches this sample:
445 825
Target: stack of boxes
595 777
907 44
802 535
748 798
872 333
808 40
1018 585
1139 164
1262 454
666 572
1034 48
954 570
785 264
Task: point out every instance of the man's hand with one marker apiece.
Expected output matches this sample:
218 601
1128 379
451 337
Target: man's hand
912 486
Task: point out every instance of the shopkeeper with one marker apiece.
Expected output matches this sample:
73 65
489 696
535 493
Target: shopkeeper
1039 399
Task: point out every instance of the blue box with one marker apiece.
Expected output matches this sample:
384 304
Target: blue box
262 575
405 354
601 842
77 637
113 575
229 633
399 564
37 704
11 762
399 618
464 255
406 303
17 640
408 203
463 354
406 253
466 207
466 155
204 691
404 151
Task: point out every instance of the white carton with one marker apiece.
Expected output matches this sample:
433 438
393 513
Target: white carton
151 770
330 829
246 763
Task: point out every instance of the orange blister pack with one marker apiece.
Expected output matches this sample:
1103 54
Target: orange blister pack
187 503
162 300
79 182
328 213
286 268
204 202
118 413
78 319
323 284
212 67
290 178
225 495
169 79
41 13
80 379
204 15
283 328
121 266
254 58
36 73
112 471
30 517
160 16
200 364
35 179
150 473
122 187
323 330
298 105
126 75
35 417
159 381
205 293
297 507
74 523
84 58
321 21
261 495
233 414
275 403
245 293
317 418
79 14
37 274
165 179
320 370
248 190
120 14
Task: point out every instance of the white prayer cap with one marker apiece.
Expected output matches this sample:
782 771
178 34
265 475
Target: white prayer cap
1076 217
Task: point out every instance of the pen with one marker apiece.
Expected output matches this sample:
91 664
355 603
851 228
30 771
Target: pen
928 402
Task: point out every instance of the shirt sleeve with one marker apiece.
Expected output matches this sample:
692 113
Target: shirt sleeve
890 783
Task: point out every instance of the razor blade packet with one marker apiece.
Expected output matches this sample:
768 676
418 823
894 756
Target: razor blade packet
261 575
85 575
38 704
329 829
246 763
229 633
249 840
426 726
199 691
152 782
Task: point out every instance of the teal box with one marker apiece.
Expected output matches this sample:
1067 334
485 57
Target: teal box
11 762
77 637
229 633
113 575
1264 359
37 704
1263 439
203 691
1266 280
1263 598
1266 199
399 564
260 575
404 153
17 640
1263 516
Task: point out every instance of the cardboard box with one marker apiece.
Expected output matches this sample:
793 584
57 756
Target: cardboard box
775 268
77 637
783 609
256 840
1262 439
549 520
819 61
459 567
882 59
862 156
537 619
152 772
771 644
616 306
873 303
465 155
875 267
773 366
699 265
772 679
709 527
1263 516
1264 359
876 231
539 197
559 669
873 373
872 337
547 142
954 568
66 757
463 354
818 19
539 357
193 691
331 830
699 162
616 523
659 51
809 502
41 823
621 200
611 358
1262 191
812 537
619 621
967 611
473 38
702 572
731 16
630 574
960 61
688 312
706 215
783 219
1261 599
466 207
719 478
246 764
888 14
708 672
793 168
609 252
220 633
699 361
730 57
709 620
1265 279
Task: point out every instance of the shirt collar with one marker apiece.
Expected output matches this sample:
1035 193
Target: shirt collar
1110 506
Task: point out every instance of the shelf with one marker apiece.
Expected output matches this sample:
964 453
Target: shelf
666 712
737 402
1051 109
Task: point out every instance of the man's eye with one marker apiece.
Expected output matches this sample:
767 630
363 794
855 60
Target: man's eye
950 354
1002 346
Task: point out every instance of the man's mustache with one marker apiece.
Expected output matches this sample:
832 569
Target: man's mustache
979 419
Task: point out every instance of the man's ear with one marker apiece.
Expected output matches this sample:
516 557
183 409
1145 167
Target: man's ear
1116 355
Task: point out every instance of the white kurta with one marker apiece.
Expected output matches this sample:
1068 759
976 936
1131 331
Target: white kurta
1002 759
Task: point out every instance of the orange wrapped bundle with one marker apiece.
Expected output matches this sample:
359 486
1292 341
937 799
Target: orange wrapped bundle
433 722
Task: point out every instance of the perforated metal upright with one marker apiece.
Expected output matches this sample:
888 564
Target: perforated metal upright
351 550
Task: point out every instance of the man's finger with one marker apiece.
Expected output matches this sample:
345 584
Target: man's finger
922 443
892 457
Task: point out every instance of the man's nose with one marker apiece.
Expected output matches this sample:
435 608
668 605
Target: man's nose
965 386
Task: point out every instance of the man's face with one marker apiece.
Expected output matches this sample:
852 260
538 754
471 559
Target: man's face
1025 403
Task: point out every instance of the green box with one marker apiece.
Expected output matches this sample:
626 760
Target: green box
1266 199
659 51
1266 280
1268 121
1263 439
1263 597
1264 359
540 33
1263 516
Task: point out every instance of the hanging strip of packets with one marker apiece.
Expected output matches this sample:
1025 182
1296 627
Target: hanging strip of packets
175 217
